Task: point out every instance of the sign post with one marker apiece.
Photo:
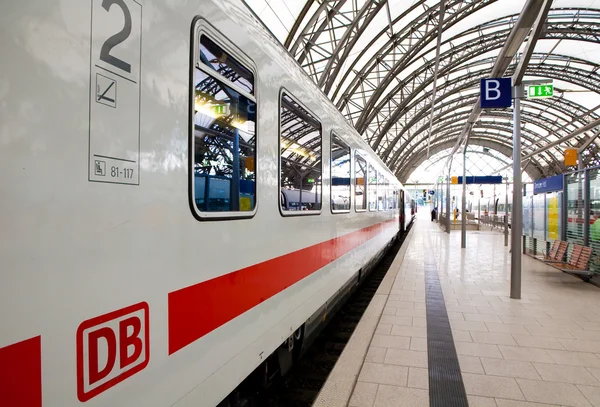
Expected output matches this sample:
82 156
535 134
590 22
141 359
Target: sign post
463 232
506 214
517 215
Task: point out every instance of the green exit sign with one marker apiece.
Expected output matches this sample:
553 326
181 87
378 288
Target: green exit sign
540 91
221 109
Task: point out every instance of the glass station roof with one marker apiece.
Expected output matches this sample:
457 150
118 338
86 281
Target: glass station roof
375 59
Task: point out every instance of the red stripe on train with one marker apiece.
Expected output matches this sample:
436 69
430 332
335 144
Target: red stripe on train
21 373
196 310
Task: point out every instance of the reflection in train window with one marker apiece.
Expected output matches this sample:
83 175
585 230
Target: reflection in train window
212 56
372 188
340 175
300 157
224 134
360 174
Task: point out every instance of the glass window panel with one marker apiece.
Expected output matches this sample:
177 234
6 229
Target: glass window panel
527 215
213 56
575 208
360 173
553 219
372 188
340 175
594 176
300 157
539 216
224 146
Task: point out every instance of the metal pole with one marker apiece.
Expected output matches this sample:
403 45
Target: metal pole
463 232
478 208
517 215
506 215
448 201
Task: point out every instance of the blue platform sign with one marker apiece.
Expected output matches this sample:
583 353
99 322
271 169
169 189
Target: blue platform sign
549 184
495 93
486 179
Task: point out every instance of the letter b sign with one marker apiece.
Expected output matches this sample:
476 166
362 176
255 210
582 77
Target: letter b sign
111 348
495 93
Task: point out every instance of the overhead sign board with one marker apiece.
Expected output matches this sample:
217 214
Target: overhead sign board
540 91
549 184
570 157
486 179
496 93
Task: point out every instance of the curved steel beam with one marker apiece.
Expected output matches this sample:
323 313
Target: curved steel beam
450 62
497 129
531 137
401 49
471 152
477 139
556 28
455 86
542 106
388 111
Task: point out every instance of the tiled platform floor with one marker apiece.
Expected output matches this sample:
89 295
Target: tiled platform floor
542 350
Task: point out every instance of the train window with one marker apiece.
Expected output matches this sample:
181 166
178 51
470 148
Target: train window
301 166
224 135
340 175
360 186
214 57
372 188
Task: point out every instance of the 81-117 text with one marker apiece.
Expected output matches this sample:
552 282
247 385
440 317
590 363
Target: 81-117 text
121 172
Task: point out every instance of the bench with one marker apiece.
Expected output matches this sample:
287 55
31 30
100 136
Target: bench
578 262
557 252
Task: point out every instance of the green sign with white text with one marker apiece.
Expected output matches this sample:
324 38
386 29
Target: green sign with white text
540 91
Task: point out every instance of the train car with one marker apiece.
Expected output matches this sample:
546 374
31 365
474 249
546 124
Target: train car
149 258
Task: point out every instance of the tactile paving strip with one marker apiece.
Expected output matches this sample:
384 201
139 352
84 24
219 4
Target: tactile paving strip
446 387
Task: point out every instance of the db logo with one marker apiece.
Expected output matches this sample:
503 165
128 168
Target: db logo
111 348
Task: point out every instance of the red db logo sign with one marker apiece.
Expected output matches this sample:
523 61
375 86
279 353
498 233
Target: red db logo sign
111 348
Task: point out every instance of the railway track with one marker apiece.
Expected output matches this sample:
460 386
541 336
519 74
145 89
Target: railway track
300 387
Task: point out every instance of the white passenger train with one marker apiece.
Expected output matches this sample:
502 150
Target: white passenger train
156 249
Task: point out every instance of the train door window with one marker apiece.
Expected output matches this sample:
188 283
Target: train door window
340 175
301 165
360 175
389 202
372 188
381 192
223 139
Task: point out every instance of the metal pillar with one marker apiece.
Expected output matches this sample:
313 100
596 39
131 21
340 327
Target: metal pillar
463 231
506 215
478 208
448 201
517 215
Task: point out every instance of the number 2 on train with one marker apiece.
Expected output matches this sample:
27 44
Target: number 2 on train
117 38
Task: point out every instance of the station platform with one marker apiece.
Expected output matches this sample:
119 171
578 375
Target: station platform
443 331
